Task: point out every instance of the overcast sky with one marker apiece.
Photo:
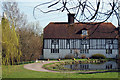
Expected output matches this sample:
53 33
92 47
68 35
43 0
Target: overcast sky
27 8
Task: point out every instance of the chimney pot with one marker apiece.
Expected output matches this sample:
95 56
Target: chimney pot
71 18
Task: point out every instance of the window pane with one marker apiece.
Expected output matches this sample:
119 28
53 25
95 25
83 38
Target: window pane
84 32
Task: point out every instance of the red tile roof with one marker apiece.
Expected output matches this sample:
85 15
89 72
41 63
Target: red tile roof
68 31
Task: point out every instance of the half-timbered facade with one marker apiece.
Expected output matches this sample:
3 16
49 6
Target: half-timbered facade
61 39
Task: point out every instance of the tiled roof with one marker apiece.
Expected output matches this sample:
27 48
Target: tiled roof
65 30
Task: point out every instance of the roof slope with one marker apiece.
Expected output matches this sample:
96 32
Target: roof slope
67 31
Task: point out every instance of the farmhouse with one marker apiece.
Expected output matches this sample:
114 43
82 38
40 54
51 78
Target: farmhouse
68 38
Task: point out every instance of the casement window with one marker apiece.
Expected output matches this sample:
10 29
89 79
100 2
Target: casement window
84 51
109 66
84 32
55 43
54 46
115 44
108 51
54 50
67 43
108 41
84 48
84 44
109 44
84 66
71 51
112 44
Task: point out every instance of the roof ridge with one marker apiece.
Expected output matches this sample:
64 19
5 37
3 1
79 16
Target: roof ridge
77 22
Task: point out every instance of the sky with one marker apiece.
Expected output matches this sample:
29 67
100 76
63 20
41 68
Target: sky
44 19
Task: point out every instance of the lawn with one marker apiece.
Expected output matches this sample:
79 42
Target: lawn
17 71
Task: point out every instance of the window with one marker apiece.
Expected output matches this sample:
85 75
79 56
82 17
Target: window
54 43
108 51
84 32
109 44
108 41
55 46
115 44
54 50
67 43
86 51
84 44
109 66
84 66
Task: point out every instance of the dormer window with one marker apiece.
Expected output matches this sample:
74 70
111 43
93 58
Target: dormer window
84 32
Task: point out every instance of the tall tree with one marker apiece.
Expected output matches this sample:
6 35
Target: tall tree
10 43
35 27
31 44
14 15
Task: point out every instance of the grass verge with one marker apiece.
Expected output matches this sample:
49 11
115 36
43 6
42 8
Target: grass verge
17 71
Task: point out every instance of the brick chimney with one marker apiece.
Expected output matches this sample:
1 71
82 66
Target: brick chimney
71 18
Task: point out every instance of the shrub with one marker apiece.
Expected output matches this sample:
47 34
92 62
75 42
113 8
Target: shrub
69 56
98 56
83 56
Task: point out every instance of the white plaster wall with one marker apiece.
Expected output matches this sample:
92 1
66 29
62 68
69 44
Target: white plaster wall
48 55
100 51
63 52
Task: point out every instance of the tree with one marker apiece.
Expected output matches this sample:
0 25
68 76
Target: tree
85 10
10 44
14 15
0 43
35 27
30 37
31 44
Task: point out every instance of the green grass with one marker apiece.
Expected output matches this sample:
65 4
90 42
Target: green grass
17 71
